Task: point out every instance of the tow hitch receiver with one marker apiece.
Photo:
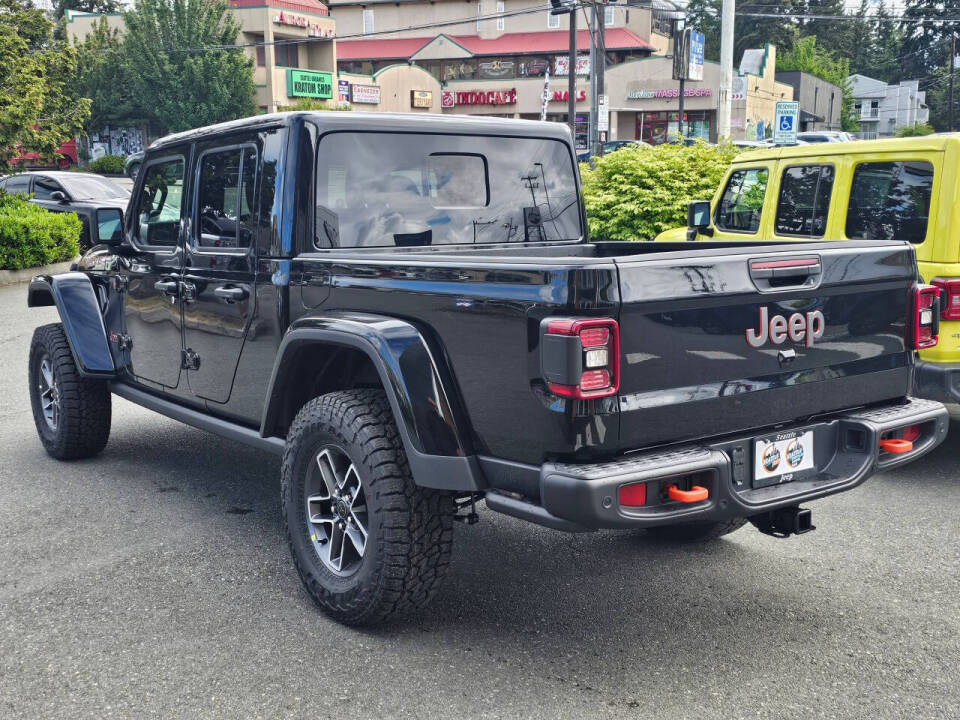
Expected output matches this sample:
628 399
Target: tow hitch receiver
784 522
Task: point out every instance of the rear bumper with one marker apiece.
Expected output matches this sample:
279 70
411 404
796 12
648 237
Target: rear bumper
937 381
846 452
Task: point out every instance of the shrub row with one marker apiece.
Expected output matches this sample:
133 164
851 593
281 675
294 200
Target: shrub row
31 236
636 193
108 165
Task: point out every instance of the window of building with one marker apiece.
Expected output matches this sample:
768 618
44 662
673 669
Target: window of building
158 207
225 197
804 200
890 201
287 55
553 21
500 18
367 22
459 70
261 54
742 201
608 16
479 15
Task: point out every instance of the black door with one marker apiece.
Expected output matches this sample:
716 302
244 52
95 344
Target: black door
152 272
219 265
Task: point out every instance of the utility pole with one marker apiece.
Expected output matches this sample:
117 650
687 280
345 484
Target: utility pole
572 76
953 61
592 75
600 54
726 68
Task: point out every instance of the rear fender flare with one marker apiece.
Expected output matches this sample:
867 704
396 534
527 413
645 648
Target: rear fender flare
414 383
73 295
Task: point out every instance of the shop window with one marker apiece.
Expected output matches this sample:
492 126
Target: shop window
532 66
286 55
459 70
890 201
742 201
367 22
496 68
804 200
500 18
553 21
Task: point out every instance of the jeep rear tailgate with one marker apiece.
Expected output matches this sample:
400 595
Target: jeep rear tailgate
724 340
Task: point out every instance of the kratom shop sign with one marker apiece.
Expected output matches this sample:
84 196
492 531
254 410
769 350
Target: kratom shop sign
305 83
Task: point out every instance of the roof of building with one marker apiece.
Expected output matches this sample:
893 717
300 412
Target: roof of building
526 43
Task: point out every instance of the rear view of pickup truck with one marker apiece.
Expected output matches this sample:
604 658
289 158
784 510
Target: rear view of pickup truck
408 310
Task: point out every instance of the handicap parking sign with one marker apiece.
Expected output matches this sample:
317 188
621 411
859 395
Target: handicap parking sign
786 120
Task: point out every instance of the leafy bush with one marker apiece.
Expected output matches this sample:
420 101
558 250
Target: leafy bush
915 130
31 236
638 192
108 165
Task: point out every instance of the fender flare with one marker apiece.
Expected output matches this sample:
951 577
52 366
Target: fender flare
416 386
73 295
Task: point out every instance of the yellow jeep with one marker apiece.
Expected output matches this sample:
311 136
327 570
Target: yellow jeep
897 189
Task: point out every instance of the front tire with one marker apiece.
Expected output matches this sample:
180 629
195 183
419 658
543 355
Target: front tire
72 413
367 542
695 532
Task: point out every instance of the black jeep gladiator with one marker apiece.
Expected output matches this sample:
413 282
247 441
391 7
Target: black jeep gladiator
408 309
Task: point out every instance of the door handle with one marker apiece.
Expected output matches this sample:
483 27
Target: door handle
231 294
167 287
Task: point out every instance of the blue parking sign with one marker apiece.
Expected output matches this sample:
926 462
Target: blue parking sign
785 122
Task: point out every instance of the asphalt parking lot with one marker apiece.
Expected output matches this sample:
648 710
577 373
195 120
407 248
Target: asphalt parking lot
155 582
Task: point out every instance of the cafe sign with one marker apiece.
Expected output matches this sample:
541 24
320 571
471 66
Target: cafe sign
481 97
421 98
365 94
309 84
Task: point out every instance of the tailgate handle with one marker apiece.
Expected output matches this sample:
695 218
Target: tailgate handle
775 274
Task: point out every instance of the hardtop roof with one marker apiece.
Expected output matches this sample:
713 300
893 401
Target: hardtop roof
936 143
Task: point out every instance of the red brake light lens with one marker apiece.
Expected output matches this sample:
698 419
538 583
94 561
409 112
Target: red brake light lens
949 297
595 370
925 321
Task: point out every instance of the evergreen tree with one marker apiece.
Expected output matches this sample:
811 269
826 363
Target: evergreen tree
704 15
103 76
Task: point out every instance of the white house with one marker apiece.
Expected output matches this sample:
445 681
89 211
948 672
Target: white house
883 109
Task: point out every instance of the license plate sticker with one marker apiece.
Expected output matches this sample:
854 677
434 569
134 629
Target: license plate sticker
780 458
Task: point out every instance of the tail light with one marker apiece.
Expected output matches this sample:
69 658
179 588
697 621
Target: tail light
580 358
949 297
925 316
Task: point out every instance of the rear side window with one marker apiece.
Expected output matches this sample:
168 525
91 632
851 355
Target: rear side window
44 187
804 200
395 190
158 205
742 201
225 197
890 201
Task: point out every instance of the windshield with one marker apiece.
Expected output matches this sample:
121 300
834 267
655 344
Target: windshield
401 190
91 187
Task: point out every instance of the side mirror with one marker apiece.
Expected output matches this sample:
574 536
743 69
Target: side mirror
58 196
698 219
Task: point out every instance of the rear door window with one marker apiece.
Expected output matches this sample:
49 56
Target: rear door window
17 184
741 204
804 200
890 201
158 205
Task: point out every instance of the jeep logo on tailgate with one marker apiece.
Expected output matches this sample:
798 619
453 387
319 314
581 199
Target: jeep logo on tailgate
799 327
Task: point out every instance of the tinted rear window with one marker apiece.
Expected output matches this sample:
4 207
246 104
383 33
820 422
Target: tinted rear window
398 190
890 201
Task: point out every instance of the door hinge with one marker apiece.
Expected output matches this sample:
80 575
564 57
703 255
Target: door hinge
189 360
123 342
120 283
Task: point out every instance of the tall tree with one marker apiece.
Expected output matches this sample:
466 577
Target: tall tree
39 108
179 74
807 56
781 30
103 76
704 15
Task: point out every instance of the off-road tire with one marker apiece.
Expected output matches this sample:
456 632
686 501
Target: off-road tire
696 532
83 427
410 529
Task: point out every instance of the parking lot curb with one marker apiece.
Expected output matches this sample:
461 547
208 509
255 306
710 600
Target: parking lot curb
13 277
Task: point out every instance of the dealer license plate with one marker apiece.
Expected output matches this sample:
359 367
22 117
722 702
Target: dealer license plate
782 458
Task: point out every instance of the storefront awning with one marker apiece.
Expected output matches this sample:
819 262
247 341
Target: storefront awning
806 117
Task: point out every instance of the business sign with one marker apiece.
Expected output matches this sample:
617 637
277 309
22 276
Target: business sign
738 90
484 97
695 56
786 120
309 84
365 94
561 65
343 91
421 98
448 99
603 113
668 93
564 96
494 69
313 29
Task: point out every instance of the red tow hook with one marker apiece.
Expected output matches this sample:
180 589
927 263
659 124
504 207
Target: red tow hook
695 494
897 446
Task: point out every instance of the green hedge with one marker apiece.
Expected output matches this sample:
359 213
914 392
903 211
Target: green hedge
638 192
108 165
31 236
